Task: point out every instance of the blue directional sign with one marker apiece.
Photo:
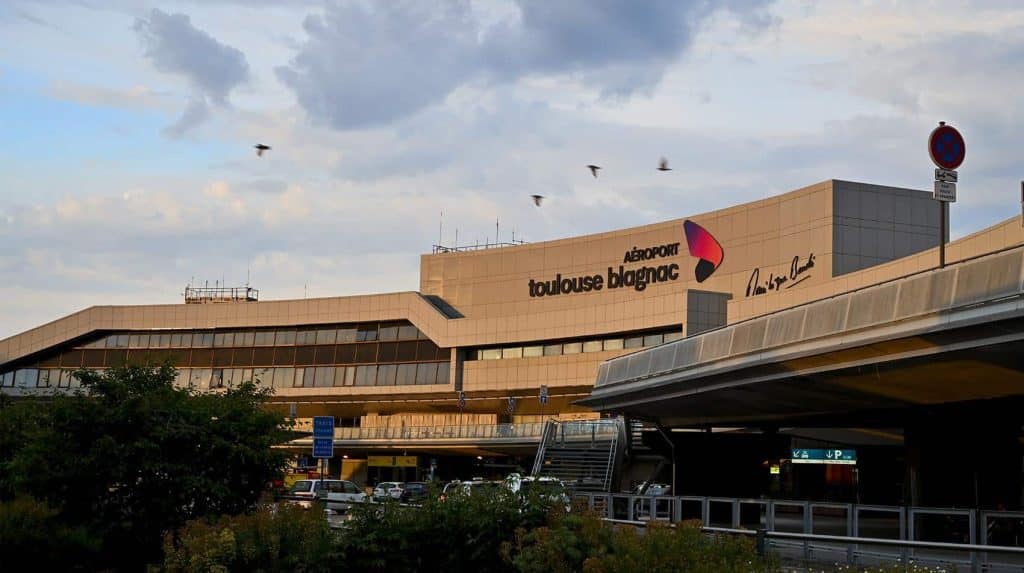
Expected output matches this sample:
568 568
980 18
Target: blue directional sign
543 395
824 456
323 448
323 436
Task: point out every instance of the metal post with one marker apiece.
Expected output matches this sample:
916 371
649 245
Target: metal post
672 448
942 234
762 542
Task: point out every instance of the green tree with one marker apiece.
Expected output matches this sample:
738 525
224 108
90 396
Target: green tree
132 457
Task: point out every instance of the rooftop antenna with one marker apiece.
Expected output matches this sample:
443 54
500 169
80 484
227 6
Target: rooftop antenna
440 228
496 232
305 290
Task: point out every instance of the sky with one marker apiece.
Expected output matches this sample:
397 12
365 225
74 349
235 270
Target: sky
127 169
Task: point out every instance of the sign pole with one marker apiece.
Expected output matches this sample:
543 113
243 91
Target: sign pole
942 234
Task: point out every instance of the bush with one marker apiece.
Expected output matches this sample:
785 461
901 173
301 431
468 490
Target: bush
269 540
33 534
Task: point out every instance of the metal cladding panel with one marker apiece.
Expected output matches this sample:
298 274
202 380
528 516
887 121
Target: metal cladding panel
639 365
688 352
749 336
923 294
602 374
716 344
988 278
785 327
872 306
617 370
662 358
826 317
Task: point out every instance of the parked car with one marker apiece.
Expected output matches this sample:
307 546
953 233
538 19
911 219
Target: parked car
468 487
306 491
388 489
548 488
341 494
415 492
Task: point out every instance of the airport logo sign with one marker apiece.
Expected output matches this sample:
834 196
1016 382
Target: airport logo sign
701 244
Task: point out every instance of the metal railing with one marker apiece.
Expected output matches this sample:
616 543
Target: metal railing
858 534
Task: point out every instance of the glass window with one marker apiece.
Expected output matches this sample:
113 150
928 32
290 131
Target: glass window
323 355
366 333
262 355
572 348
533 351
162 340
406 375
654 339
263 377
304 355
406 352
366 353
285 337
408 332
308 377
181 378
26 377
443 372
63 379
421 335
593 346
389 333
489 354
224 339
426 350
673 336
426 373
300 378
283 377
346 378
200 378
387 352
613 344
552 350
515 352
264 338
222 357
242 357
202 339
366 375
7 379
134 341
122 341
284 356
247 375
305 337
345 354
346 335
386 374
217 380
244 338
44 379
326 336
325 376
110 341
634 342
92 358
181 340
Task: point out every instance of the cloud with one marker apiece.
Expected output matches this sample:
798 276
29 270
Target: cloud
136 97
175 46
194 114
365 65
212 69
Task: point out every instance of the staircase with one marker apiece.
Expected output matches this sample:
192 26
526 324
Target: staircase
585 454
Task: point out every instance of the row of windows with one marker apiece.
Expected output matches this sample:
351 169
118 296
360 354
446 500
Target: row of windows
538 350
411 351
288 337
207 378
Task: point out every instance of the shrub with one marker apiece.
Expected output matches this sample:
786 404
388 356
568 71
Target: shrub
33 535
269 540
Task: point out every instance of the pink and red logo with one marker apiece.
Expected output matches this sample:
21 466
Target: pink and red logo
705 247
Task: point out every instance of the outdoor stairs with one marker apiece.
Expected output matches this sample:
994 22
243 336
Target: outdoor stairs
584 454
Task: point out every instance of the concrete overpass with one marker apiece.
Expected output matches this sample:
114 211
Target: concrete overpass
938 354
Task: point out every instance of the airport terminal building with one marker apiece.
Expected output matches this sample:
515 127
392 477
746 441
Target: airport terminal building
448 380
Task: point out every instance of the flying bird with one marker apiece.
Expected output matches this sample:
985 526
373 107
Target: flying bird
593 169
537 199
663 165
260 148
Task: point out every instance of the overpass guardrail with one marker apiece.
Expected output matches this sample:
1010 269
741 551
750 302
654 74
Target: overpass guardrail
856 534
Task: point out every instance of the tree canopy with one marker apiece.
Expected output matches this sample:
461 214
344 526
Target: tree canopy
132 457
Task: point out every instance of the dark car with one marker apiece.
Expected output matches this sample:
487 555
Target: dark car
415 491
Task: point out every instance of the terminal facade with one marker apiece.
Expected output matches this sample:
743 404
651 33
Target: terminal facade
446 381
